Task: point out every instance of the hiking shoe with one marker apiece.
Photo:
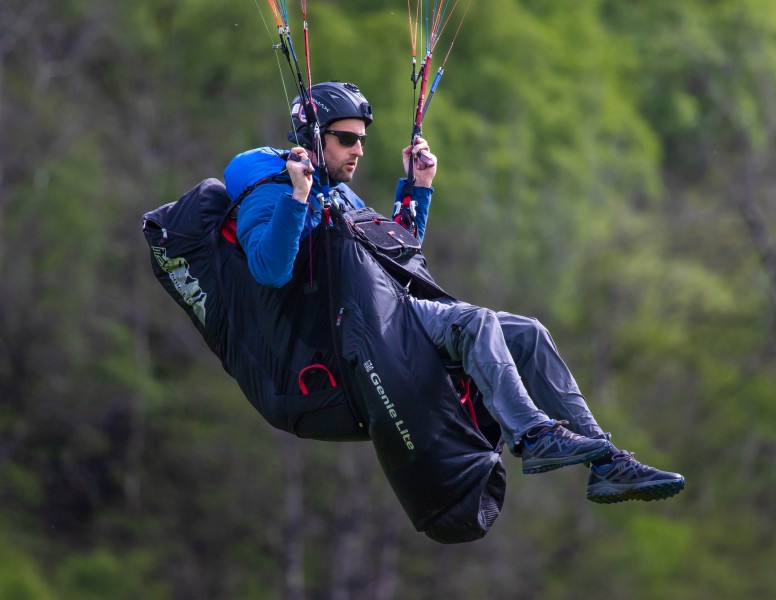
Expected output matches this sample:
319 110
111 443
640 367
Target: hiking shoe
552 446
625 478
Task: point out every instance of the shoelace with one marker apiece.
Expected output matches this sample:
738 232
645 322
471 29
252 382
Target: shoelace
623 455
542 429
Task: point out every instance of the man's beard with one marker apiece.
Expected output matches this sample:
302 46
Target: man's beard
339 172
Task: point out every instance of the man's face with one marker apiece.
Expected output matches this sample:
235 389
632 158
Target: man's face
342 161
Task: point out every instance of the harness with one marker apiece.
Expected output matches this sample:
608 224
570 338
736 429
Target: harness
322 363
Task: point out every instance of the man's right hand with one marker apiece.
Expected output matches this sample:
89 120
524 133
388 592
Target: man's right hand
301 171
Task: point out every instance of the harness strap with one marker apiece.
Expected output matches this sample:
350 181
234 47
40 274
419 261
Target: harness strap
229 223
404 212
466 399
303 386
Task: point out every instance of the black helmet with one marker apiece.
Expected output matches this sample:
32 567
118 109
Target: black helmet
334 100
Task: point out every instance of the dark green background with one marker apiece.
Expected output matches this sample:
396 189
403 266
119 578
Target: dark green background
605 165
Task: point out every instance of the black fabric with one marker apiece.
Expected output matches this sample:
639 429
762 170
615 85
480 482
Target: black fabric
383 235
346 309
263 336
446 474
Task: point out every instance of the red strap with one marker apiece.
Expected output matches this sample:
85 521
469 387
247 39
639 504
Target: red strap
404 215
467 401
229 230
302 385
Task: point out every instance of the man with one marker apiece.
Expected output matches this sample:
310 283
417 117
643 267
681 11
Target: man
525 385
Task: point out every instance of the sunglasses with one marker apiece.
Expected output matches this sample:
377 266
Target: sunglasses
347 139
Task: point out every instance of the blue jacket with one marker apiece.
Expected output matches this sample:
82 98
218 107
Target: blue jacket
271 223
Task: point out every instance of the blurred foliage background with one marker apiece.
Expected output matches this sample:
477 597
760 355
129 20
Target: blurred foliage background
606 166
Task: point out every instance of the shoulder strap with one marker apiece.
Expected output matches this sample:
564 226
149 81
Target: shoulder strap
229 222
276 178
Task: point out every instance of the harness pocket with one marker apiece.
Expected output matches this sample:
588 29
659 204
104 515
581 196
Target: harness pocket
387 236
322 415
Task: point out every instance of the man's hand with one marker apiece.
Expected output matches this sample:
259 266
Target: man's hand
425 165
301 171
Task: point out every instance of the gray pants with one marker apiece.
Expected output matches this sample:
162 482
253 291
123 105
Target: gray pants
514 363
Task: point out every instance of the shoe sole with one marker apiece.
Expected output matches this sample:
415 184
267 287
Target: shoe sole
542 465
645 492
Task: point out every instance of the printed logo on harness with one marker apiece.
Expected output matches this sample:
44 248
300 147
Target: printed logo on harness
389 407
184 282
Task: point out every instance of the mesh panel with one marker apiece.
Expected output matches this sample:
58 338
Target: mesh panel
489 510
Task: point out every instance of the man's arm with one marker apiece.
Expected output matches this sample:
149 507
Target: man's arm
269 225
272 217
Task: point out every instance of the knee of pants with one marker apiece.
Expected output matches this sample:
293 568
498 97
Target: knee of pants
475 320
542 334
472 323
539 331
524 335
